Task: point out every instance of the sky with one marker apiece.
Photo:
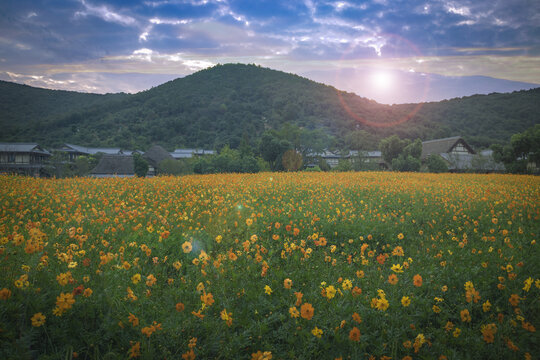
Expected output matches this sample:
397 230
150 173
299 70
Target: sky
391 51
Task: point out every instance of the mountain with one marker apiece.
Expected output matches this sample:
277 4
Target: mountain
227 103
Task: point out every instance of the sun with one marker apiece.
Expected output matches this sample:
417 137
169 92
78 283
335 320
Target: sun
382 80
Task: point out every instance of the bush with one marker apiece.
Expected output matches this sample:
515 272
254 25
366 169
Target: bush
436 164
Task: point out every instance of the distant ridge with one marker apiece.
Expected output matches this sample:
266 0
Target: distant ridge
227 103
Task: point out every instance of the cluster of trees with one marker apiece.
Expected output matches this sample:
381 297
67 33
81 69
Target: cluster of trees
522 155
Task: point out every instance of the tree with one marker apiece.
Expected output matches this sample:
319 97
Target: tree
406 163
436 164
403 155
391 147
140 165
292 160
272 149
175 167
523 150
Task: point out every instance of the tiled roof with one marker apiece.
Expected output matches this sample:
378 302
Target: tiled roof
23 147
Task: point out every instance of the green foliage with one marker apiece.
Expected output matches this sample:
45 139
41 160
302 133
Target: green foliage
391 147
218 106
292 160
406 163
175 167
272 148
343 165
140 165
227 161
436 164
403 155
522 155
315 168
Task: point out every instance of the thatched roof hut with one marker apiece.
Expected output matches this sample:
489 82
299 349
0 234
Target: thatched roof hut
156 154
114 165
452 145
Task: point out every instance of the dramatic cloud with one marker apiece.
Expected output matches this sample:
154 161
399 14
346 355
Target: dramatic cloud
86 44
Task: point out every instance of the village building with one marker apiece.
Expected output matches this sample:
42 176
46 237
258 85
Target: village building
333 158
154 156
74 151
460 156
23 158
189 153
114 166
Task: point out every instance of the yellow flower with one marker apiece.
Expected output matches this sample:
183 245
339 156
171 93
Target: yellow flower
227 317
249 221
330 291
136 278
400 236
38 319
347 284
177 265
267 289
186 247
219 238
382 304
528 283
486 306
259 355
436 309
456 332
317 332
294 312
397 268
405 301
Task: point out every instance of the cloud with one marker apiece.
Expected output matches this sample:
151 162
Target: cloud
105 13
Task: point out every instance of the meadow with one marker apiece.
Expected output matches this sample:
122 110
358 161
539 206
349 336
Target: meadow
271 266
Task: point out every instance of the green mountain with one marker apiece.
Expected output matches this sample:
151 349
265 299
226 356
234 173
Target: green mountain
228 103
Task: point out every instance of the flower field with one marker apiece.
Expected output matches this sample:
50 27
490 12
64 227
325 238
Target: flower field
271 266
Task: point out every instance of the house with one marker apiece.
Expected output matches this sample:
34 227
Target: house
154 156
23 158
454 150
74 151
114 166
460 156
370 157
189 153
332 158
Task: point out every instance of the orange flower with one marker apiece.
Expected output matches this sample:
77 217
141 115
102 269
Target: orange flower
417 280
306 311
393 279
465 316
180 307
135 350
354 334
133 320
514 299
299 296
287 283
356 317
207 299
356 291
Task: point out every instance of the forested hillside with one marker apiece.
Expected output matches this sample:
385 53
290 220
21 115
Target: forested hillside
228 103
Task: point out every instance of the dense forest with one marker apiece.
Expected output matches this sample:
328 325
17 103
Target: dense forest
229 104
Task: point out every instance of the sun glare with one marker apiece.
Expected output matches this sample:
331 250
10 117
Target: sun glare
381 80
